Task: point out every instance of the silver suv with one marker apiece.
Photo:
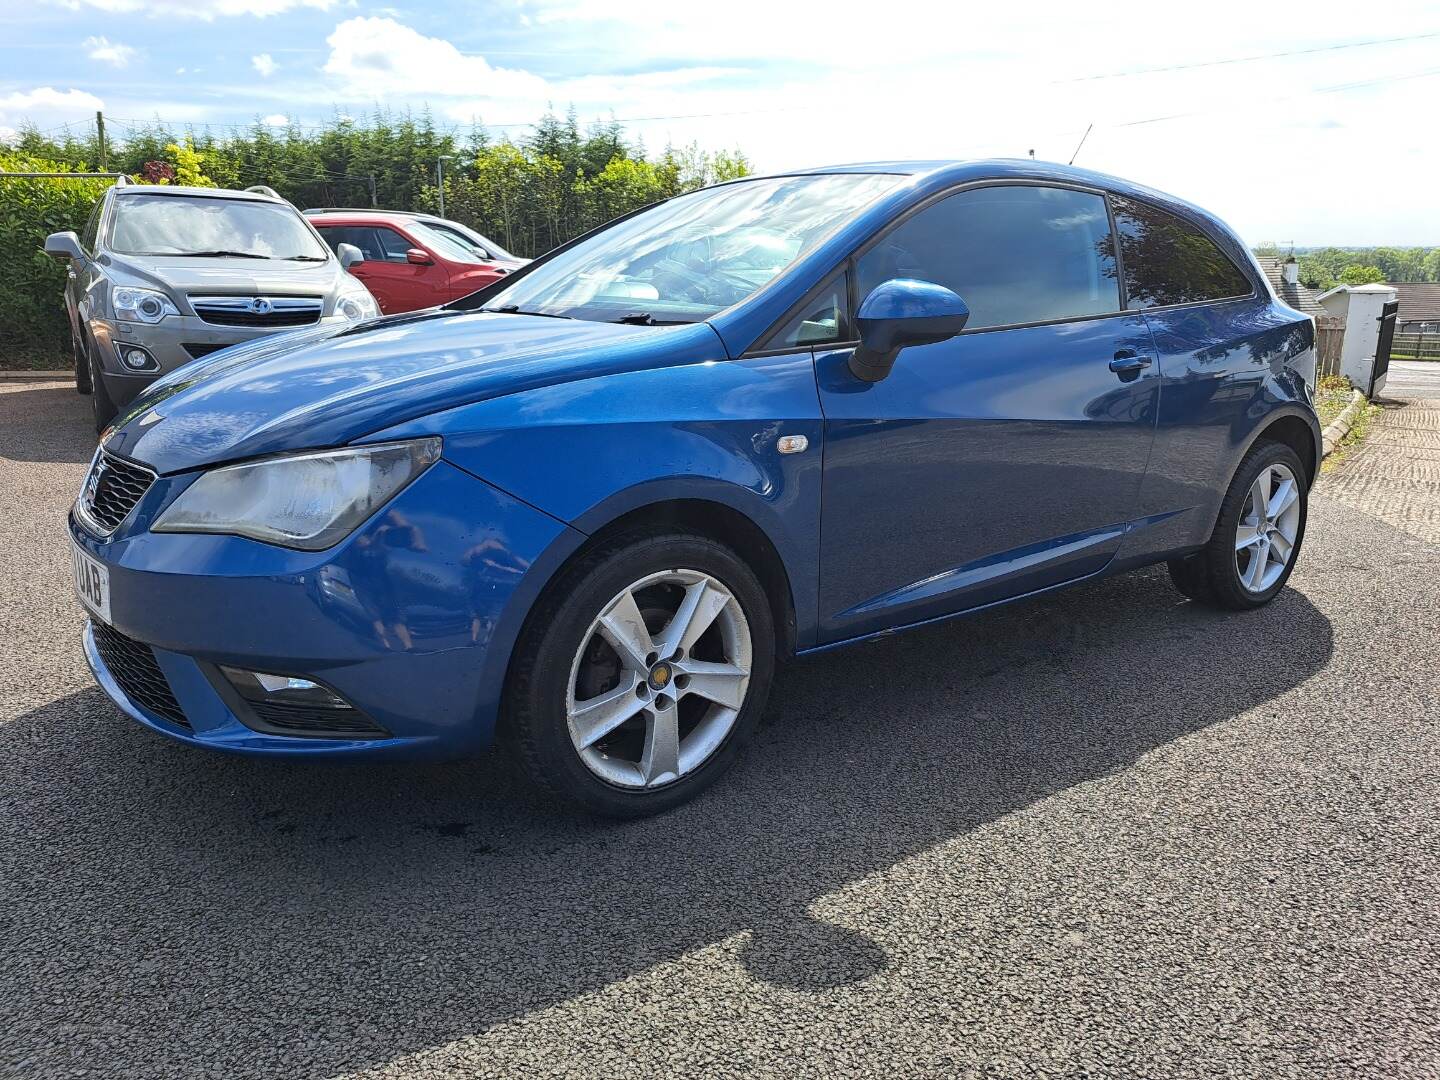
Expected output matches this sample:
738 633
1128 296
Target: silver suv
163 275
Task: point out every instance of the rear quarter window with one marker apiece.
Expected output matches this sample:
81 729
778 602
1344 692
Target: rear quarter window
1169 261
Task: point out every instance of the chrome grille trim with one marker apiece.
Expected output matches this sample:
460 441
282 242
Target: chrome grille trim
258 310
111 489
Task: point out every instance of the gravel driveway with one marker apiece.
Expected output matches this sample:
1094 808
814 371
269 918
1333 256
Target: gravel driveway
1103 834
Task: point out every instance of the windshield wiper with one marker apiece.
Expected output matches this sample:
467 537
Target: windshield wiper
302 258
644 318
222 254
514 309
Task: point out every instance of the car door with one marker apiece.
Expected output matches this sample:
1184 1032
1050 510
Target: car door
77 278
396 283
1006 459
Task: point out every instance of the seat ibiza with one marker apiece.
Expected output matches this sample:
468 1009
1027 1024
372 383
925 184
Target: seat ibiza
589 506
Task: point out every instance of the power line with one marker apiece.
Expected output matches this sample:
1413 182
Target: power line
1248 59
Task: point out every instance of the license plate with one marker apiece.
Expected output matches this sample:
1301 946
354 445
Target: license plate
92 584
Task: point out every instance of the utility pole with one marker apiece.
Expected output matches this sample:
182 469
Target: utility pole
373 200
440 182
100 138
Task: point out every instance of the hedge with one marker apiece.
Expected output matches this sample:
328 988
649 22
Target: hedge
33 328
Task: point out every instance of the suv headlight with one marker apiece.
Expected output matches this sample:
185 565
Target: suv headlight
356 303
141 305
307 501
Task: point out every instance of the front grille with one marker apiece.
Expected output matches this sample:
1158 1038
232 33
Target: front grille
111 490
198 349
258 310
133 666
313 719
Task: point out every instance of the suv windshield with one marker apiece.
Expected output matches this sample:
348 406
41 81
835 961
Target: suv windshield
202 225
688 258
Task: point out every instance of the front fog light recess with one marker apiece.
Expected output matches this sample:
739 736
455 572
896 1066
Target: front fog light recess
290 705
134 358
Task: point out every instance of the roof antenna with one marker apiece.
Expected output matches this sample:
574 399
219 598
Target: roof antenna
1080 144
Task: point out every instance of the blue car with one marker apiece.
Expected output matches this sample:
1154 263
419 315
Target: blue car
589 507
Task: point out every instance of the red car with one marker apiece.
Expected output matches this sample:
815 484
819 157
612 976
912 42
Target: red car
410 263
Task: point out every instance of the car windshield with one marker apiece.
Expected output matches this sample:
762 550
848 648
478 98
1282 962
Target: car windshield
197 225
486 250
688 258
442 243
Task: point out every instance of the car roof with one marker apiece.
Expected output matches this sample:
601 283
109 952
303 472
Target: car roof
205 192
360 217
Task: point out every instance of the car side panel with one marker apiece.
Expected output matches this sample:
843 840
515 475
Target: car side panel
1227 370
591 451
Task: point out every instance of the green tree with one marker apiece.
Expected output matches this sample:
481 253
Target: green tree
1361 275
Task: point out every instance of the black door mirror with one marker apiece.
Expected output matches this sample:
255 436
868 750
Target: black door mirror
901 312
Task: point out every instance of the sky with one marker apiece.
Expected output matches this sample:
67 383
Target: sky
1308 124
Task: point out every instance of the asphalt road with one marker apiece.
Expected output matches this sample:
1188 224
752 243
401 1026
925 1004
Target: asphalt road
1104 834
1413 379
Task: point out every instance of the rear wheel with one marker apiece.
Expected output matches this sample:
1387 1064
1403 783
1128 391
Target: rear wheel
641 674
1257 535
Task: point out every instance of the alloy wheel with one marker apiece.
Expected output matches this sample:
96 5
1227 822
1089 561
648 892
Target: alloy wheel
659 679
1266 534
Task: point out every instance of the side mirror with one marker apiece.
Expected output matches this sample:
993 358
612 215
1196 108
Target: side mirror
901 312
349 255
64 245
419 257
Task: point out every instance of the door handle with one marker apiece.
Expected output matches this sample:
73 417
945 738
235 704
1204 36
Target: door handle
1128 363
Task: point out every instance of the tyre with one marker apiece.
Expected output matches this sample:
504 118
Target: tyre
641 674
100 404
1257 535
83 383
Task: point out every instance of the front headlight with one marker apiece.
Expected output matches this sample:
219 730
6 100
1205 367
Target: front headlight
356 303
306 501
141 305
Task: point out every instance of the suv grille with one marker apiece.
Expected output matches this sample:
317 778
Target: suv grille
111 491
133 666
258 310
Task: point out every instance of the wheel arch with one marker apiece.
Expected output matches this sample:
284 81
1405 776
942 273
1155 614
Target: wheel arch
1298 431
729 526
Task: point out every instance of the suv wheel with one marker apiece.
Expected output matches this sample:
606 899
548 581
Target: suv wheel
100 404
641 674
1257 535
83 382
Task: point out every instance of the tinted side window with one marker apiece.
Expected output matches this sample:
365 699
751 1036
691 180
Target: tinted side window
820 320
393 244
92 228
1014 254
361 237
1169 261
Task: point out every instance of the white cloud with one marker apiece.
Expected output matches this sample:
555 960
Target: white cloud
373 57
197 9
276 120
46 107
108 52
264 64
46 99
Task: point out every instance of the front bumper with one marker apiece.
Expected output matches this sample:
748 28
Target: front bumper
174 341
411 619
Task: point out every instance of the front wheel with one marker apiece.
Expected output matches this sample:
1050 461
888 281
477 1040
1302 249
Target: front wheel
83 383
1257 535
641 673
101 406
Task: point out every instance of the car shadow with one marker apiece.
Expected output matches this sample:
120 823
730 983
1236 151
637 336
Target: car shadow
47 423
252 918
